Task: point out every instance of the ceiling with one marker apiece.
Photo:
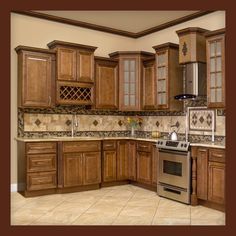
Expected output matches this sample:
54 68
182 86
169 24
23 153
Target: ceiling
131 21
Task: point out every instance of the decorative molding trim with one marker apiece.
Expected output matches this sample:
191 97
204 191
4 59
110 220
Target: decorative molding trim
112 30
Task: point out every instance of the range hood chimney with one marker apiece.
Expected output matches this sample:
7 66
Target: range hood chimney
192 56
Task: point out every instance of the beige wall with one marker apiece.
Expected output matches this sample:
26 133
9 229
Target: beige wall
35 32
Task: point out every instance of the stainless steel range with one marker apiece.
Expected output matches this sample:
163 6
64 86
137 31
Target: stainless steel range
174 170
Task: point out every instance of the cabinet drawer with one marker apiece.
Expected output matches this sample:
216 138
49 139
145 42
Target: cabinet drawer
144 146
42 180
41 147
41 162
217 155
88 146
109 145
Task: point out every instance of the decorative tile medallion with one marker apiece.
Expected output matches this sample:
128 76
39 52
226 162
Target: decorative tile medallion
68 122
120 122
37 122
201 119
95 122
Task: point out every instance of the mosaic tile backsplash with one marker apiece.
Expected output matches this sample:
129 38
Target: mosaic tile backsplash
49 124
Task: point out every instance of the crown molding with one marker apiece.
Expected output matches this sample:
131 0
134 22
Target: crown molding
112 30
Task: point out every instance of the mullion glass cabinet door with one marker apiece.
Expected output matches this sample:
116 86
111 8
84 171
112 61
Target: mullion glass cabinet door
215 72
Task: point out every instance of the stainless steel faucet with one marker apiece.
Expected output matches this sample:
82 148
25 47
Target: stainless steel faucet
74 125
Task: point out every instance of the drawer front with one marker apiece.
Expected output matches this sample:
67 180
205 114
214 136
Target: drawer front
40 181
217 155
41 147
88 146
41 162
144 146
109 145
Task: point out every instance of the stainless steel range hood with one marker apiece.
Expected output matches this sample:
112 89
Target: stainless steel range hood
194 78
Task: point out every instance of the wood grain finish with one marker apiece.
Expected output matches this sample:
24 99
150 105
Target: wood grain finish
216 182
192 45
91 168
132 161
155 164
217 155
122 160
215 72
41 180
106 80
36 77
144 146
194 200
73 169
149 85
109 166
81 146
109 145
41 147
202 173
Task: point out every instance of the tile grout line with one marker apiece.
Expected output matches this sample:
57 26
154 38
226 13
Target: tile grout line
123 207
155 211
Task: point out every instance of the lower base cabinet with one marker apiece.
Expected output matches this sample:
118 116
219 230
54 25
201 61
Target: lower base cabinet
210 175
81 163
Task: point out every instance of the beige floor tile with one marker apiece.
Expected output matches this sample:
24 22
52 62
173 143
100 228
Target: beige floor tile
73 207
132 220
83 199
120 193
110 200
201 212
142 201
105 208
95 218
207 221
170 221
143 211
25 216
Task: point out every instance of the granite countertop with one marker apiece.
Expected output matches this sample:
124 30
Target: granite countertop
47 139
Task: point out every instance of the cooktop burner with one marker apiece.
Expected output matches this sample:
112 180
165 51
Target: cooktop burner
173 145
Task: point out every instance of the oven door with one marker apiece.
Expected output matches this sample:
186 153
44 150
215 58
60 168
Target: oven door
174 168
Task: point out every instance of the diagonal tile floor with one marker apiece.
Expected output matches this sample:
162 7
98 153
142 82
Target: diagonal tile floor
118 205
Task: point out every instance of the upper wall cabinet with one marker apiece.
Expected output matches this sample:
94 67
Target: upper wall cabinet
192 45
36 77
106 83
149 84
75 72
169 77
130 74
215 45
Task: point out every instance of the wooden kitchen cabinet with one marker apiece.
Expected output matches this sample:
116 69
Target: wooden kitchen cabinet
81 163
36 77
106 80
132 161
130 74
109 161
149 85
155 154
144 162
75 72
37 168
210 173
215 54
122 160
169 77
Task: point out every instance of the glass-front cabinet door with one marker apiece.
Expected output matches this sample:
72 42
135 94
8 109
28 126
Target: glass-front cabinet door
162 79
216 70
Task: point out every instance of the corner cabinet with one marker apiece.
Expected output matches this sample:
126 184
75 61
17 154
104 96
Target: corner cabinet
169 77
215 48
75 72
130 74
36 77
106 83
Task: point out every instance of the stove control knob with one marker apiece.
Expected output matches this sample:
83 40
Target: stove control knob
185 145
161 142
182 145
158 142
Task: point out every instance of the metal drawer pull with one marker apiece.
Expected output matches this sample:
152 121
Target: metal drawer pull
143 146
40 162
109 145
217 155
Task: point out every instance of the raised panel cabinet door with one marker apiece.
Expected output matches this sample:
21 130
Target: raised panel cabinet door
66 64
149 86
109 166
73 169
85 66
37 80
122 160
154 164
216 182
202 173
132 161
106 87
144 167
92 168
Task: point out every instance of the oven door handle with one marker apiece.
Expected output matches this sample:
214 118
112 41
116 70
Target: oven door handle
174 152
